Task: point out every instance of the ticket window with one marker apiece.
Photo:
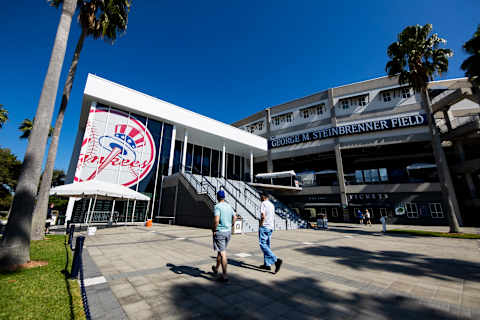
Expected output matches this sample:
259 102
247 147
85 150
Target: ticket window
383 212
335 212
323 211
311 214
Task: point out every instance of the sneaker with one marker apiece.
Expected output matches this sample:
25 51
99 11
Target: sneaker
264 267
278 264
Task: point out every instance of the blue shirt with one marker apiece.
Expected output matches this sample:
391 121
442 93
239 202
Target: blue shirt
225 212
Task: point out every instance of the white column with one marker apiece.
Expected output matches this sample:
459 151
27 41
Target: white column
184 153
113 211
223 161
71 204
172 150
251 166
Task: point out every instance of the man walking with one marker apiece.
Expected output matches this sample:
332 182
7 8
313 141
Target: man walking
267 210
223 219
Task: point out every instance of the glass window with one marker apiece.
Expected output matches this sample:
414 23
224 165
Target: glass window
148 183
237 173
374 175
383 174
386 96
412 210
345 104
215 163
383 212
189 158
362 101
436 210
359 176
405 93
367 175
305 113
197 159
230 166
334 212
177 156
166 145
206 161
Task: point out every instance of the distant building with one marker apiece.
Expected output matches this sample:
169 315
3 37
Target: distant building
366 145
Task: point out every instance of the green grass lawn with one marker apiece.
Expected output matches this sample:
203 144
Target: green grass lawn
435 234
41 292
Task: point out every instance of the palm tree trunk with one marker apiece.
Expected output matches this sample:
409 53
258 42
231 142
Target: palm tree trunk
446 184
16 240
41 206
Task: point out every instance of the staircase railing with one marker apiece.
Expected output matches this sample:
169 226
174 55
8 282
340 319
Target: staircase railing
204 186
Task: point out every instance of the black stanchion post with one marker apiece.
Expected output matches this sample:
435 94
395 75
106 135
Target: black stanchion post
77 257
71 231
68 226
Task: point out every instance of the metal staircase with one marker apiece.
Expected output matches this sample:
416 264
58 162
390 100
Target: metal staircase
246 202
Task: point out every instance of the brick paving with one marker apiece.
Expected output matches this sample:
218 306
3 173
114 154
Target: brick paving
347 272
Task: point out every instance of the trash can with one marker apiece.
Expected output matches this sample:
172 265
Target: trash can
91 231
238 226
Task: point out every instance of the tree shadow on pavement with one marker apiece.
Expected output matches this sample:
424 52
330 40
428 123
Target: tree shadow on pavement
398 262
293 298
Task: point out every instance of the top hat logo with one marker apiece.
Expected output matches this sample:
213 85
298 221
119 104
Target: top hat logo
128 146
126 138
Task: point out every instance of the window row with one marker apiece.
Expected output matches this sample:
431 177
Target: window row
362 100
313 111
413 212
208 162
283 118
257 126
388 95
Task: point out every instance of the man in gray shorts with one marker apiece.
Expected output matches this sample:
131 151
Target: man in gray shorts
223 219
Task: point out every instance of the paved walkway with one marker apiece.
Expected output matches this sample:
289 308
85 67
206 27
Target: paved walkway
348 272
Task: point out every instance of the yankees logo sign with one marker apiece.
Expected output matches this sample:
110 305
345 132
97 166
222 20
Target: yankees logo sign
116 148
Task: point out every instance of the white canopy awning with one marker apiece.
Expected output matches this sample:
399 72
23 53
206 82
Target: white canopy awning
273 175
99 189
421 166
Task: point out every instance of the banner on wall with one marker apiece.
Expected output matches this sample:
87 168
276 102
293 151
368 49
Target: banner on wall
116 148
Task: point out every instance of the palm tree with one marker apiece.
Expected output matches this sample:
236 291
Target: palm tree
3 115
16 239
416 58
471 65
26 128
99 19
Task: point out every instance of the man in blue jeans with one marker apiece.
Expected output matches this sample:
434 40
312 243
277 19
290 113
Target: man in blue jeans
267 210
223 219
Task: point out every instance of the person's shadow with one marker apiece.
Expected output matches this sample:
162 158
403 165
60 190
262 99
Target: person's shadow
241 264
191 271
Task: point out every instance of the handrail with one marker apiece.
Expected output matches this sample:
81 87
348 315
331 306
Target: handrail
253 194
235 187
241 204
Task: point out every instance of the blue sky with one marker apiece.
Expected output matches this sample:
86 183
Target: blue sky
223 59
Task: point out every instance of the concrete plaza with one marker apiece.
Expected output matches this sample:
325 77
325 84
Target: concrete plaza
347 272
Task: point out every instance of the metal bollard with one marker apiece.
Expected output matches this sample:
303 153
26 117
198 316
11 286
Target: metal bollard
77 257
71 231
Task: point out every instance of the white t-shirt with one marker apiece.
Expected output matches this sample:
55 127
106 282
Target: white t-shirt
268 209
367 214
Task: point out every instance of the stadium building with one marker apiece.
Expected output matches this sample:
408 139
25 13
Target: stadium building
361 146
